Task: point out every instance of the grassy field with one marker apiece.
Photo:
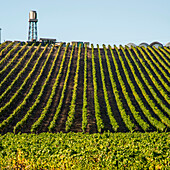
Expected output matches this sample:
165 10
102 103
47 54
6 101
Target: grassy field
85 151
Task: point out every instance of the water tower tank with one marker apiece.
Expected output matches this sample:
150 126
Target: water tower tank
33 15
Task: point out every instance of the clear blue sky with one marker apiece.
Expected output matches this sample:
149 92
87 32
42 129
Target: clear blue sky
98 21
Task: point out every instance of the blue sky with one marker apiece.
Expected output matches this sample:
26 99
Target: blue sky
98 21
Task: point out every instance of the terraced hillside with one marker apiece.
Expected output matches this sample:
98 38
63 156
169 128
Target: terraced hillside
84 89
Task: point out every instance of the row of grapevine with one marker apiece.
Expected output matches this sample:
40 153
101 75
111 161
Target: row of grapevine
160 89
6 49
162 63
29 94
153 121
9 53
164 83
38 99
18 92
58 109
13 59
162 56
146 112
36 125
109 110
84 109
125 117
130 85
71 113
164 52
154 81
2 45
11 72
161 70
132 108
99 121
167 50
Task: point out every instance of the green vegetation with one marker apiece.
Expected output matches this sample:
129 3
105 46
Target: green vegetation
100 124
6 49
82 89
53 122
109 110
45 109
88 90
84 109
84 151
71 113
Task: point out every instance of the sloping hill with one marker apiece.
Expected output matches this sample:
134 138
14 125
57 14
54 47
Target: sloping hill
84 89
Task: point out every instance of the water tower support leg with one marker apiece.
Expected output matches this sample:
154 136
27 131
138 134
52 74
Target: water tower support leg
29 32
32 30
36 31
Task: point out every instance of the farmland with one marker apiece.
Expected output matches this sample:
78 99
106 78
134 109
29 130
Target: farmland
150 150
84 108
54 89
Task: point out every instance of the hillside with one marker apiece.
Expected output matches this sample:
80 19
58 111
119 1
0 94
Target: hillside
84 89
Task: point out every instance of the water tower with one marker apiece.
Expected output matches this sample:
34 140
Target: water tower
32 34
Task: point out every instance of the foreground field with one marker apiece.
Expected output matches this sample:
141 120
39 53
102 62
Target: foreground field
84 151
53 89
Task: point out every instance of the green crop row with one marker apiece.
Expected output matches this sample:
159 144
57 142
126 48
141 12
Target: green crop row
2 45
122 110
163 57
71 113
99 121
11 72
167 50
166 85
36 125
58 109
28 95
160 89
125 117
132 108
109 110
157 64
149 86
162 63
157 111
146 112
14 58
5 49
13 98
84 109
165 54
129 68
38 99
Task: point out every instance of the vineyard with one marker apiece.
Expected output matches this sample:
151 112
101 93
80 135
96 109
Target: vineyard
150 150
53 89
